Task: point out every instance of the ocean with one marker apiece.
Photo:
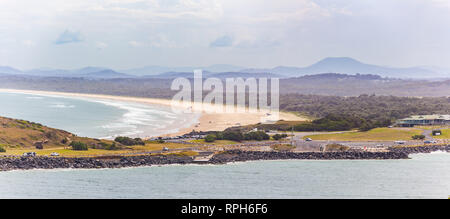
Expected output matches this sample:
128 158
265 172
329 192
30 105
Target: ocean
95 118
423 176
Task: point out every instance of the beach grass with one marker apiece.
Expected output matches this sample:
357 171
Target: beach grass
378 134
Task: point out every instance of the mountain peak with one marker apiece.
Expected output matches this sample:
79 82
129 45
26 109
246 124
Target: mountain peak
338 61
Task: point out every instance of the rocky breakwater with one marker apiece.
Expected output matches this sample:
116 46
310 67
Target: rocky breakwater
422 149
27 163
239 156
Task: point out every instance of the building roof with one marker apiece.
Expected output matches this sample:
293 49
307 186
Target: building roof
429 117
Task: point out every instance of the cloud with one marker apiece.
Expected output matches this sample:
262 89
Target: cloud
101 45
224 41
161 41
69 37
135 43
28 43
442 3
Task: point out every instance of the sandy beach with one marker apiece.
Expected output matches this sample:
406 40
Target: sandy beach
209 120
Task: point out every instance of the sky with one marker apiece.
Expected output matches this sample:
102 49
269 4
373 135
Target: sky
123 34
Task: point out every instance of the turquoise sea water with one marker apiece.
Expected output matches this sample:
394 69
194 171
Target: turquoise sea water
423 176
95 118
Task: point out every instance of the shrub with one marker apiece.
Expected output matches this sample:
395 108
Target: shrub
336 147
418 137
210 138
278 136
233 136
258 136
219 136
160 140
2 150
129 141
106 146
78 146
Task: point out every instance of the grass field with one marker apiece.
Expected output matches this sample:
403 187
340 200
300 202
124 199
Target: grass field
379 134
217 142
445 134
94 152
429 127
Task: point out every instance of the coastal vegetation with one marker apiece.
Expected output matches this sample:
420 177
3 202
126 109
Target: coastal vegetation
2 149
20 136
129 141
210 138
239 136
278 137
418 137
378 134
78 146
363 112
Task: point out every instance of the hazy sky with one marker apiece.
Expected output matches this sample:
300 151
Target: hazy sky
252 33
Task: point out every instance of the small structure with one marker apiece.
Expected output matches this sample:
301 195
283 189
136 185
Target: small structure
437 132
425 120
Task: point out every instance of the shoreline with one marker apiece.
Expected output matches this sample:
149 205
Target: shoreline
207 119
227 157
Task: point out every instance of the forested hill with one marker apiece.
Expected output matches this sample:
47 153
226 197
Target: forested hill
374 111
322 84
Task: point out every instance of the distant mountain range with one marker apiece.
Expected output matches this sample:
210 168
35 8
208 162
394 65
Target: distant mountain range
351 66
87 72
156 70
341 65
221 75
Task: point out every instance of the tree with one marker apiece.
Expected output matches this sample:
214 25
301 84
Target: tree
78 146
210 138
129 141
276 137
233 136
279 137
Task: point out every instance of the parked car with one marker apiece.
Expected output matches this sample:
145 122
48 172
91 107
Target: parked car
165 149
400 142
54 154
29 154
308 139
